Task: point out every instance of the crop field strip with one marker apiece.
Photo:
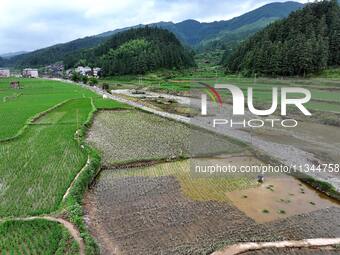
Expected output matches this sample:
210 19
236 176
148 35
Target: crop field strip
35 237
37 96
325 92
150 213
120 134
43 157
43 162
43 153
123 129
60 163
194 187
157 208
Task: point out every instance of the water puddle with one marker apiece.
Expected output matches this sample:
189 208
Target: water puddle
279 197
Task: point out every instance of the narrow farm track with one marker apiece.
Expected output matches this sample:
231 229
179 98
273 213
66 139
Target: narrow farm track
307 243
68 225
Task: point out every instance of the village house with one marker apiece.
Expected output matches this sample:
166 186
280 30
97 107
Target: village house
54 70
31 73
84 70
88 71
96 71
68 73
5 72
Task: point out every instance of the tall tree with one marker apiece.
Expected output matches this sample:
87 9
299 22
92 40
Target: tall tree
307 41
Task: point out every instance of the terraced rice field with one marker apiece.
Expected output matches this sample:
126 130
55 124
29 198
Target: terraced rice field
45 158
36 237
40 157
161 210
35 97
120 134
43 162
192 186
167 209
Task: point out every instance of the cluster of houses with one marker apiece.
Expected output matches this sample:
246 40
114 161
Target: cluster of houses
30 73
55 70
27 72
5 72
85 71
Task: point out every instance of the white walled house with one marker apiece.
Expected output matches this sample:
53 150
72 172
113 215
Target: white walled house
5 72
84 70
96 71
31 73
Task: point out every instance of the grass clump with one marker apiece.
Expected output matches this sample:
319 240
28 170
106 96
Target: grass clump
282 211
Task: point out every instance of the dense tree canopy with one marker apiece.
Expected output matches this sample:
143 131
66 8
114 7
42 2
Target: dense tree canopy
54 53
306 42
141 50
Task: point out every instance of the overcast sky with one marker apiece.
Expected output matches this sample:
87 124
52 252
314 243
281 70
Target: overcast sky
32 24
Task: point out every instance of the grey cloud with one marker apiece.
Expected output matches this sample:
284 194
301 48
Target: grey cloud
64 22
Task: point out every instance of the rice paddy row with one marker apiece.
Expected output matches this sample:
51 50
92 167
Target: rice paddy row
37 168
131 135
36 237
40 157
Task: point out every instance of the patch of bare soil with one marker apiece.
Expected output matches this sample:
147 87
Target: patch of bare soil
150 215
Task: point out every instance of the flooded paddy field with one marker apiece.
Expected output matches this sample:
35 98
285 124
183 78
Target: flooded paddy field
279 197
164 208
131 135
157 210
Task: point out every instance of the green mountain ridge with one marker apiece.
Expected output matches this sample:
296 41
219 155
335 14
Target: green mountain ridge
12 54
137 51
308 41
189 32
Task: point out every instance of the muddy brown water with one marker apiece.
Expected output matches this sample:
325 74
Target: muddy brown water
279 197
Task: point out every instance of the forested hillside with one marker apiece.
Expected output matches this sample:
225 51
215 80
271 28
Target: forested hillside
240 28
138 51
210 35
54 53
306 42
